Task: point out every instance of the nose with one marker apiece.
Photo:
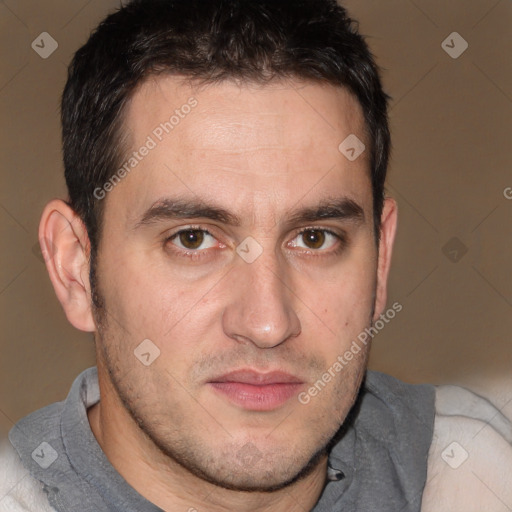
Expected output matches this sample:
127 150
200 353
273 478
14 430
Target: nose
262 306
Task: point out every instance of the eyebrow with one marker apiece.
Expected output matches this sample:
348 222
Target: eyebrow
177 208
338 209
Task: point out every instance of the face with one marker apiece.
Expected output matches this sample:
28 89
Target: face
241 245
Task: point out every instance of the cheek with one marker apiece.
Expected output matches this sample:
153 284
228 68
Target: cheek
343 298
179 317
140 289
151 300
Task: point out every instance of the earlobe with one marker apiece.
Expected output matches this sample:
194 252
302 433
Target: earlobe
387 238
65 247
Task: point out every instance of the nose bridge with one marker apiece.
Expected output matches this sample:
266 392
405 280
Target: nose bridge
261 307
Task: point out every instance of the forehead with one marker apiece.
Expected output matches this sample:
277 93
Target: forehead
242 110
242 142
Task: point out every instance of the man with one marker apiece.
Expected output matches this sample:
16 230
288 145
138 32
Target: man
228 241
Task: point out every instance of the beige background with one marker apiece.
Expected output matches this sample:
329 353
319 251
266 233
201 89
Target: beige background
451 122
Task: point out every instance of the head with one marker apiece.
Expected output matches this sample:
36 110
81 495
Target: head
215 225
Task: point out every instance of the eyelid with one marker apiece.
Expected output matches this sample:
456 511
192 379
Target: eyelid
191 227
191 255
341 238
341 241
184 229
318 228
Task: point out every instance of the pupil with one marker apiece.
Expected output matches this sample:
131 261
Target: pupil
192 239
314 238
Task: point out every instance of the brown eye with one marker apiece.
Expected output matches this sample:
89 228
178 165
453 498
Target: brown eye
317 240
191 238
194 242
313 238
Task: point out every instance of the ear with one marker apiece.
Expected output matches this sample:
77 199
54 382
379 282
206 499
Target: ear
387 238
65 247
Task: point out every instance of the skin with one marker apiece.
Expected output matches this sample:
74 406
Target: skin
261 153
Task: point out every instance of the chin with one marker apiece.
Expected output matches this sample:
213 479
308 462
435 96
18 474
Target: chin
246 466
263 476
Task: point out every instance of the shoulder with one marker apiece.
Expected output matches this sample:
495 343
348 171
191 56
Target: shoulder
470 456
19 491
397 407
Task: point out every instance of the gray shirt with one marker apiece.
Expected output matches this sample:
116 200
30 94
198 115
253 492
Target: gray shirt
377 462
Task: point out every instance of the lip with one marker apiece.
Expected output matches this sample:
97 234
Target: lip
258 378
256 391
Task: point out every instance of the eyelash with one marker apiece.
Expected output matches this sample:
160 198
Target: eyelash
191 254
341 242
199 253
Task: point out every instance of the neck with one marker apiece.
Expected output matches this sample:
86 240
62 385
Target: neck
170 486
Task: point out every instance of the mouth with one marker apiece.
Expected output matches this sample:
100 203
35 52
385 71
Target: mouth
256 391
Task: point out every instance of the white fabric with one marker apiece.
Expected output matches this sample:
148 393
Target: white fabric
469 426
19 491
